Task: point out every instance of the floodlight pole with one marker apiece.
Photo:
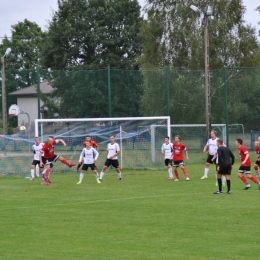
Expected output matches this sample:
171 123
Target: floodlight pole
207 14
4 112
207 81
4 116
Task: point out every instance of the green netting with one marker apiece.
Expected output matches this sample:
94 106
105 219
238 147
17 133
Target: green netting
111 92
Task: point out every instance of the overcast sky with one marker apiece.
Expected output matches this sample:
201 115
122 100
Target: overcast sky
39 11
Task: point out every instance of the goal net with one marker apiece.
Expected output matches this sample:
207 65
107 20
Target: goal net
133 134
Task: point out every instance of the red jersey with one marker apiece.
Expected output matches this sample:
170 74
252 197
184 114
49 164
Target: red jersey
48 150
178 151
92 144
242 150
257 151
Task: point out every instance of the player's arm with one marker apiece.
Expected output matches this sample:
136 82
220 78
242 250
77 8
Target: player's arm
96 146
205 150
116 154
61 141
162 149
232 158
40 157
247 156
96 154
214 157
187 155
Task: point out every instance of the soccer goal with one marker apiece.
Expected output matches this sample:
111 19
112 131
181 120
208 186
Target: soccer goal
193 135
135 136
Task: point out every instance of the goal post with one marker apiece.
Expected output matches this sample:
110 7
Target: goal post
133 134
194 132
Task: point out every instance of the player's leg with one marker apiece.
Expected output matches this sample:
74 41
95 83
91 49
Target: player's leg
256 167
32 171
240 175
47 172
253 178
206 169
219 191
168 164
106 165
81 175
175 166
64 161
184 171
115 164
227 176
94 169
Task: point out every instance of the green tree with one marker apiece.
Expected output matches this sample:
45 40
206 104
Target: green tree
94 34
84 38
173 36
20 64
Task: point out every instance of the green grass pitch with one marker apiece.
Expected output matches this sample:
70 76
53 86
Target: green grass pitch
144 216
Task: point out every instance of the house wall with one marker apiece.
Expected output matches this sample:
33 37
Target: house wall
28 105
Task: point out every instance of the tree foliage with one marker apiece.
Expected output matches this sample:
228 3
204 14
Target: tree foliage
94 34
174 33
173 36
21 63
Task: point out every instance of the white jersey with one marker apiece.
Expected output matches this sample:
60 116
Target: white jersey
36 149
167 149
112 149
212 145
88 155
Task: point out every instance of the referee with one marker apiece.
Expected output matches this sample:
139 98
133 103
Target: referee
224 165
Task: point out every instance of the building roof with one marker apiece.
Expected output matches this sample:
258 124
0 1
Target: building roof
45 88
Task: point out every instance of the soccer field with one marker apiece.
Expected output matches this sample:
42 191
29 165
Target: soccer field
144 216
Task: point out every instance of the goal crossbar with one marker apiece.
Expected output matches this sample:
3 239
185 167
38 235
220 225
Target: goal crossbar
37 121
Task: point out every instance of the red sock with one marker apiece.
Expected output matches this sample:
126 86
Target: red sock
65 162
176 174
254 179
243 179
185 172
47 174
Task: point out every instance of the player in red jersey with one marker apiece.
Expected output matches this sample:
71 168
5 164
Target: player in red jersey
92 144
177 156
49 156
245 165
257 163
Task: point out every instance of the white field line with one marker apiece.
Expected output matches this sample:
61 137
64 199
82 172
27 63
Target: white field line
99 201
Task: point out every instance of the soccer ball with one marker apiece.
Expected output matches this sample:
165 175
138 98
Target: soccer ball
22 128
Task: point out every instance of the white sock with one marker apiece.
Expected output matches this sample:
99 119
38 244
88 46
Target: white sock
96 176
81 176
32 173
101 175
119 175
170 172
223 179
206 170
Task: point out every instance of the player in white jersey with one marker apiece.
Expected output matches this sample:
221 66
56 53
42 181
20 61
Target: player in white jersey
113 151
211 148
36 147
87 156
167 151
